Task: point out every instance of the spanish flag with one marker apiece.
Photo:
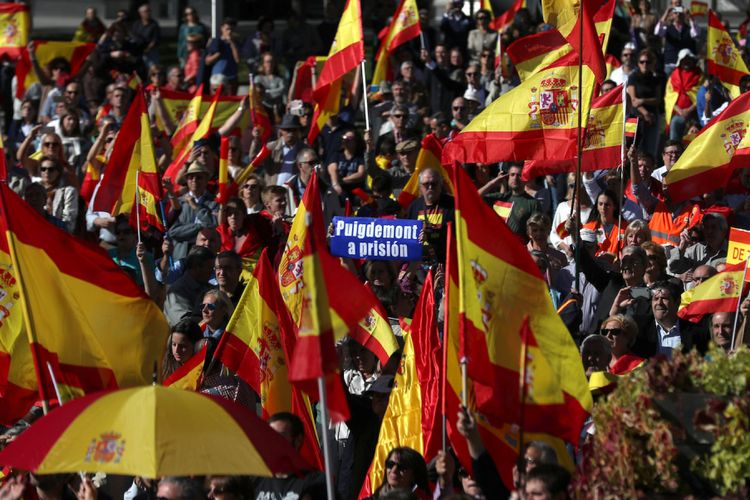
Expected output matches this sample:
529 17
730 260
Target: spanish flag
534 52
502 440
262 121
412 418
346 52
568 16
75 53
113 334
698 8
188 121
322 317
18 383
723 58
375 334
224 181
178 103
499 284
201 131
602 141
131 180
188 376
631 127
258 343
404 27
682 90
429 157
537 120
504 20
719 293
709 160
15 24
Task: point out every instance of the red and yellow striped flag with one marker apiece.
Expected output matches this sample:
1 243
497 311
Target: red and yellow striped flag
15 25
504 20
429 157
709 160
346 52
719 293
698 8
45 52
404 27
537 51
723 58
682 90
188 376
602 143
499 285
114 334
188 120
257 344
501 440
201 131
631 127
132 181
177 103
224 181
412 418
536 120
567 16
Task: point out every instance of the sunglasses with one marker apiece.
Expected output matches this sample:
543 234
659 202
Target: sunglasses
644 61
610 331
209 306
389 464
47 169
50 144
472 73
397 116
457 108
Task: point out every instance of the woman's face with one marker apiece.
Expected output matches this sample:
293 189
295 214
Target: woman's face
653 268
126 237
210 310
617 338
635 238
251 192
49 172
398 475
606 208
70 124
27 111
182 348
235 217
537 233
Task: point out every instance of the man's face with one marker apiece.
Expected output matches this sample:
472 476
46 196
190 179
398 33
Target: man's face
430 186
670 155
663 304
407 71
174 77
472 76
456 58
626 57
289 136
632 267
535 490
408 160
118 98
197 183
227 273
712 232
645 168
458 108
209 239
306 164
277 204
398 118
721 329
399 92
441 55
226 30
514 179
72 93
145 12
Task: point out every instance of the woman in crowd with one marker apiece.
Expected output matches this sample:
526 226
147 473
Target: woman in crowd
62 199
250 192
604 222
621 332
637 233
191 26
180 346
538 230
243 233
75 145
560 234
405 470
216 309
347 171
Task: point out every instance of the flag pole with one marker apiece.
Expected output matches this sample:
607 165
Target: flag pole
739 303
580 147
364 96
54 383
138 206
326 446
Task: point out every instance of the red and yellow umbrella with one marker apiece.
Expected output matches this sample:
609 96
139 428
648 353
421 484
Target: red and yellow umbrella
152 431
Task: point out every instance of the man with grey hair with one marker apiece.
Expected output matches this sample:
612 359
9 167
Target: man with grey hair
435 208
179 488
722 324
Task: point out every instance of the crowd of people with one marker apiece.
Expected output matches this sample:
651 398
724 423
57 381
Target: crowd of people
618 292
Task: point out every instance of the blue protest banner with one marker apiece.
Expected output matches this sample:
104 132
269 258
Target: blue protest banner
376 239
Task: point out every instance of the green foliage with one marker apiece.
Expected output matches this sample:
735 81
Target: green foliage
635 450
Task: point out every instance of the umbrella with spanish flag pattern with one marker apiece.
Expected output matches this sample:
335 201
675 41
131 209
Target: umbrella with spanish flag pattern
152 431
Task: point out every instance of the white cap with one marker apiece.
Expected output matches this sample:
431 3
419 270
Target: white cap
683 54
472 95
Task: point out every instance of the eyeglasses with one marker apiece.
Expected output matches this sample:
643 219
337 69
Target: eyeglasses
390 464
610 331
671 152
470 73
47 169
627 54
485 55
644 61
457 108
50 144
210 307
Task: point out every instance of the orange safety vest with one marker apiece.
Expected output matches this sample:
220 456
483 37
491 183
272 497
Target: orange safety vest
665 229
608 243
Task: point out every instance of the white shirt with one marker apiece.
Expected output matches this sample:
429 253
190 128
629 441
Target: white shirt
668 339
